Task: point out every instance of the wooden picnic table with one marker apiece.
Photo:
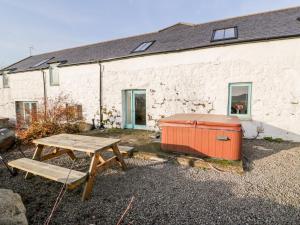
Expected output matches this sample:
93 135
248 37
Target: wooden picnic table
67 144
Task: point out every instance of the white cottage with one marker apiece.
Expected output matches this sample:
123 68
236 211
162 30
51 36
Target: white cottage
246 66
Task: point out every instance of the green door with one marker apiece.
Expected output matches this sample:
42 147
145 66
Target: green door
135 109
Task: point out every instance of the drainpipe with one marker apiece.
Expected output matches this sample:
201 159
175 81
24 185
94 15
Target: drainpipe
100 95
45 91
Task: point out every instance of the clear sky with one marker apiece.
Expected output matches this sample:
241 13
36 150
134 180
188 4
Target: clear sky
49 25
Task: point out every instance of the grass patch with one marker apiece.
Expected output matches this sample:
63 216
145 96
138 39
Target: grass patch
223 161
271 139
146 147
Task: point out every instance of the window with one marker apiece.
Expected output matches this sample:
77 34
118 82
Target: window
240 100
42 62
54 75
5 80
26 112
224 34
74 112
143 47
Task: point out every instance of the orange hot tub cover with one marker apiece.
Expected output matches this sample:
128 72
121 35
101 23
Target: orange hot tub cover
216 136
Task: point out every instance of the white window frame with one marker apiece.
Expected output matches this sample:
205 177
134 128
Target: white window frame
5 78
53 68
240 84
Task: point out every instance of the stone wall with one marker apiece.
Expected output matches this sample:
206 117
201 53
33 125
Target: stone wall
197 81
184 82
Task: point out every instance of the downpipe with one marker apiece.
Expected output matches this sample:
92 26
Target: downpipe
101 126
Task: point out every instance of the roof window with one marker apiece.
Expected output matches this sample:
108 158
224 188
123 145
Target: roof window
42 62
143 46
225 34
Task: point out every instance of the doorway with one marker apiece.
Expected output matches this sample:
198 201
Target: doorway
135 109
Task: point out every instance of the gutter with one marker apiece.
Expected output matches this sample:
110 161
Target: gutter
45 91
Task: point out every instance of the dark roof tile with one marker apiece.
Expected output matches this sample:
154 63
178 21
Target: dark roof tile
268 25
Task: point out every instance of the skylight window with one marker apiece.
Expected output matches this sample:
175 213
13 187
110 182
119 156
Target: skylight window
41 62
143 47
224 34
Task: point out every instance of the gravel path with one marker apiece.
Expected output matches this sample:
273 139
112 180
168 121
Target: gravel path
165 193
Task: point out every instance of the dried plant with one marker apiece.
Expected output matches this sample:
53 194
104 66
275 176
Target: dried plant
60 115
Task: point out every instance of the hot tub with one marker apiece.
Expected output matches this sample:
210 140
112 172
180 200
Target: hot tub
207 135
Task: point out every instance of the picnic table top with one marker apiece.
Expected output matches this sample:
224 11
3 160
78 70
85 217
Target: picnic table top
77 142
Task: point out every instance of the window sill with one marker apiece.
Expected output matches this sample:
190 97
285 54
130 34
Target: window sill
243 118
223 39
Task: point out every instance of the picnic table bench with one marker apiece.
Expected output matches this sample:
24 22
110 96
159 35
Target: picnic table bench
67 144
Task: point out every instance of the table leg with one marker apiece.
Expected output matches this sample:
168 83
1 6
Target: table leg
119 156
36 156
91 177
71 155
58 152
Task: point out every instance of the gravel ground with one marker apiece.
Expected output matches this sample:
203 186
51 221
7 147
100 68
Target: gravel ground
165 193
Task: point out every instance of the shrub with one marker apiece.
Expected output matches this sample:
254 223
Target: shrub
60 116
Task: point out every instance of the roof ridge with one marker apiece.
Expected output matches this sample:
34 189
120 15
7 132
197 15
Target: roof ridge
179 23
250 14
184 23
109 50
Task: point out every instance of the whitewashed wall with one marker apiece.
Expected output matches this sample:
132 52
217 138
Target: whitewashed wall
197 81
191 81
79 83
22 87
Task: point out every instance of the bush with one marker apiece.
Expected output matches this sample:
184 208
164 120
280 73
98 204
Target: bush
60 116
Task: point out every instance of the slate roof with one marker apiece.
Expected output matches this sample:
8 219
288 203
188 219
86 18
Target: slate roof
262 26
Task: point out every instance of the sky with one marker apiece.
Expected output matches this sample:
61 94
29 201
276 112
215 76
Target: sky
49 25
